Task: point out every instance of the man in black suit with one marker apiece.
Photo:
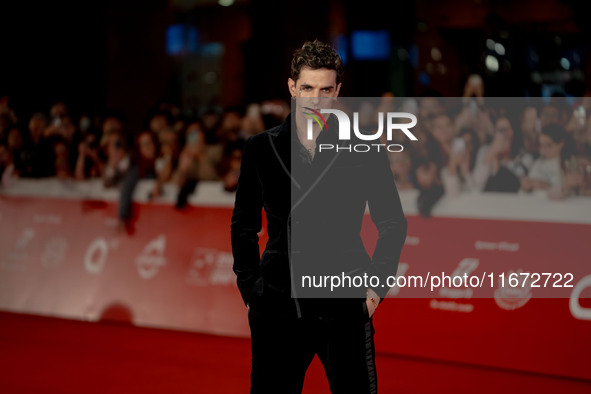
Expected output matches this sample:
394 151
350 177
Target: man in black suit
314 200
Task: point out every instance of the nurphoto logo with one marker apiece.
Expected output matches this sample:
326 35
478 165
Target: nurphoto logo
345 129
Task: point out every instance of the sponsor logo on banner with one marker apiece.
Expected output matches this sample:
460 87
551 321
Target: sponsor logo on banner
465 267
500 246
54 252
47 219
15 259
451 306
511 298
25 238
576 309
210 267
96 256
410 240
152 258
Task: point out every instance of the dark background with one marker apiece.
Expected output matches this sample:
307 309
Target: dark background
101 55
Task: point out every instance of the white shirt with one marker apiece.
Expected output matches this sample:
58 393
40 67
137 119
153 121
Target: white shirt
547 170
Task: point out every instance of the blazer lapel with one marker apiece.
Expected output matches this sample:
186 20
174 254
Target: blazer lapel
281 145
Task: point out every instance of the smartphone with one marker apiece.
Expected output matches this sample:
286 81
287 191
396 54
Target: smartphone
192 138
581 115
473 108
458 145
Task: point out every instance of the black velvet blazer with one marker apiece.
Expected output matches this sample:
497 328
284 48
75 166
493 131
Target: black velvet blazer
314 210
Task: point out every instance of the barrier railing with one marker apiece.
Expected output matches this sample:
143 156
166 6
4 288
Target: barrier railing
62 253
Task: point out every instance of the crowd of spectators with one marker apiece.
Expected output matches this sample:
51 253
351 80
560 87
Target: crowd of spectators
511 145
472 144
170 148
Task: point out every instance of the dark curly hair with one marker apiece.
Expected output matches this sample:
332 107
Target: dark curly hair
316 54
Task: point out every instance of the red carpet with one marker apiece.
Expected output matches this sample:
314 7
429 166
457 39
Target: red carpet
47 355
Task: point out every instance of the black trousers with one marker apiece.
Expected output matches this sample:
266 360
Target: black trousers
283 347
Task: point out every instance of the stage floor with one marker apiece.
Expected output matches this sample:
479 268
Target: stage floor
49 355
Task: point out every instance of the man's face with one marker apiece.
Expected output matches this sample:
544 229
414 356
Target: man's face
321 82
315 86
